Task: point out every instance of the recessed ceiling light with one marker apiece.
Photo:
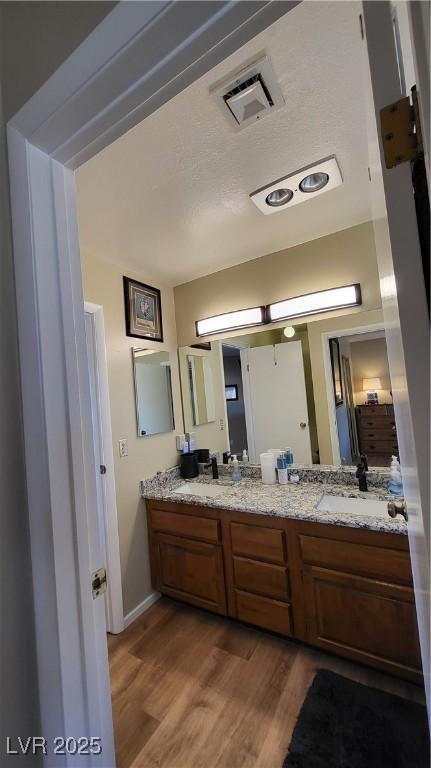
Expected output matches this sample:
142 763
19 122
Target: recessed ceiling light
313 182
289 331
317 179
279 197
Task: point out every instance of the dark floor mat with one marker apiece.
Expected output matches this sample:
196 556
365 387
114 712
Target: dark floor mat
343 724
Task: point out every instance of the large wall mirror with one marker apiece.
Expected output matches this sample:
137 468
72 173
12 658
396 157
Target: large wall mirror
275 388
153 388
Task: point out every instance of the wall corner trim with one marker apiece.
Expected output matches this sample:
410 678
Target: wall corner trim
141 608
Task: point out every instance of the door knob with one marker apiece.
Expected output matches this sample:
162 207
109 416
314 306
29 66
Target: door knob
302 424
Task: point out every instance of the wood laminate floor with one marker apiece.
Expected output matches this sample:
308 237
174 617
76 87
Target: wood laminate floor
195 690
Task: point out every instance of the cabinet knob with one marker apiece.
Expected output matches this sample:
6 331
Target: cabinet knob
302 424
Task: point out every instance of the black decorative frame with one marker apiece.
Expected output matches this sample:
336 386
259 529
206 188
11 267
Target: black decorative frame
235 388
334 349
204 345
132 322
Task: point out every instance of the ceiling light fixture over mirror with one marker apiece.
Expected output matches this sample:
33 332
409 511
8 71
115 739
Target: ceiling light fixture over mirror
289 332
230 321
312 303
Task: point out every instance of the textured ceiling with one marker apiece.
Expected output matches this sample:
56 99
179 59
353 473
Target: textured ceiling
171 197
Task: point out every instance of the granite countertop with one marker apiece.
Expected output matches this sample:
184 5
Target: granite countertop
293 501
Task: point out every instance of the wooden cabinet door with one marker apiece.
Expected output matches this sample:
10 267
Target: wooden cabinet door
191 571
364 619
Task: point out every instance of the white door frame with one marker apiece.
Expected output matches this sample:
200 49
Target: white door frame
405 311
113 595
140 56
333 429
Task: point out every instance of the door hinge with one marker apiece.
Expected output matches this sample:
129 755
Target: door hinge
401 131
98 582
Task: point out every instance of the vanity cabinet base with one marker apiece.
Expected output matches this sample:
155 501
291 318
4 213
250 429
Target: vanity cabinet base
346 590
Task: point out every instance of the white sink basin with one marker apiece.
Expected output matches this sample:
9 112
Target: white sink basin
200 489
341 504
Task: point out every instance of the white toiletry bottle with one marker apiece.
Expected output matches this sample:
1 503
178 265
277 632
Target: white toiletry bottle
267 465
395 485
236 473
244 457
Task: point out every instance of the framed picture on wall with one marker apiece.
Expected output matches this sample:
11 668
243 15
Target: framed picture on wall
231 392
337 379
143 309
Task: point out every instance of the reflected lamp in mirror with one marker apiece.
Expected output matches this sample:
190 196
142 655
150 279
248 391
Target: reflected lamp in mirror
370 386
153 391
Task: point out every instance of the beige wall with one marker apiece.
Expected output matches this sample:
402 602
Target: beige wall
103 284
370 360
214 434
315 331
339 259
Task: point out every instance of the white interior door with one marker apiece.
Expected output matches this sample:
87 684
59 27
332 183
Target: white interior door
104 461
278 400
404 305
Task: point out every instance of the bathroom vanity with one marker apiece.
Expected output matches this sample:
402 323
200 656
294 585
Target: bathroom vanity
268 556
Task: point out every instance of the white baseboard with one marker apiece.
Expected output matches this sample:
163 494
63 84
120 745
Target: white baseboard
141 608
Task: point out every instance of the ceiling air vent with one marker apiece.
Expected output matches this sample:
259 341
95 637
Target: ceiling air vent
250 94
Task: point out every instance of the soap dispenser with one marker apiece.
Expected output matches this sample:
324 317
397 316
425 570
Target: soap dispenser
236 473
395 485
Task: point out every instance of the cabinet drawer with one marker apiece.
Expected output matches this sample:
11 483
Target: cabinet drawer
375 410
375 433
380 446
185 525
258 542
375 562
263 612
261 578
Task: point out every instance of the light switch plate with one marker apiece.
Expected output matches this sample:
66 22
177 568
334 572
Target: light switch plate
123 448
